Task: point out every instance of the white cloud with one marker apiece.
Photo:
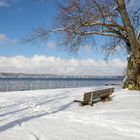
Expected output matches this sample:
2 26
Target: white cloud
56 65
5 39
87 48
51 45
7 3
20 9
3 3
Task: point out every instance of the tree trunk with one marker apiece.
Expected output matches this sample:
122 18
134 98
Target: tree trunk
133 68
132 81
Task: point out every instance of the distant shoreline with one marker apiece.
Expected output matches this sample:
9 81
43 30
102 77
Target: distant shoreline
60 78
53 76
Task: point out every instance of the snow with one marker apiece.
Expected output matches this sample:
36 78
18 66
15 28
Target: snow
52 115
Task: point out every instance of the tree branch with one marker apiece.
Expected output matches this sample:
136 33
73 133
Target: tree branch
98 23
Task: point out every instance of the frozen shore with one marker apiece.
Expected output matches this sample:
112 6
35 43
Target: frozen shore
52 115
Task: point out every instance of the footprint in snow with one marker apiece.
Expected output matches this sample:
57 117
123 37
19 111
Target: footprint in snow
33 136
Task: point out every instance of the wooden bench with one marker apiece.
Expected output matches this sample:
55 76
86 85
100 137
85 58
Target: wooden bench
95 96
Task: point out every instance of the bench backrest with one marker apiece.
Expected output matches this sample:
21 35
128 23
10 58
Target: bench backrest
88 96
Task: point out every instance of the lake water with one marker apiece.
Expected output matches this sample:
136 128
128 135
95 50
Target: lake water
14 84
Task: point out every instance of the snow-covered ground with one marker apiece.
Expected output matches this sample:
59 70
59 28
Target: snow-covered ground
52 115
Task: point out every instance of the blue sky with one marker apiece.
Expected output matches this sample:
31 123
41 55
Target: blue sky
18 18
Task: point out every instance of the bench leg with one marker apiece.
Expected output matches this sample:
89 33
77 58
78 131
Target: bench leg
82 103
109 98
91 103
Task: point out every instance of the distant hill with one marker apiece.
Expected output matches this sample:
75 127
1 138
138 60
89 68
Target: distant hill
28 75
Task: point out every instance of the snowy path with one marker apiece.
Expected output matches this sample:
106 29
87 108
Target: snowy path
52 115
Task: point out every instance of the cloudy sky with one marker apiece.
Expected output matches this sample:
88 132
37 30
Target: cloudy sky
19 17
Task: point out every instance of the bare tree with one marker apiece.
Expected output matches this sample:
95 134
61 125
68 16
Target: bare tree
79 21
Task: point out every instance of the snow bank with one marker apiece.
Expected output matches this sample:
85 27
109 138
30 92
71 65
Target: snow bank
52 115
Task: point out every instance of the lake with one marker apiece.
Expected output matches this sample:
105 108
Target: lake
19 84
